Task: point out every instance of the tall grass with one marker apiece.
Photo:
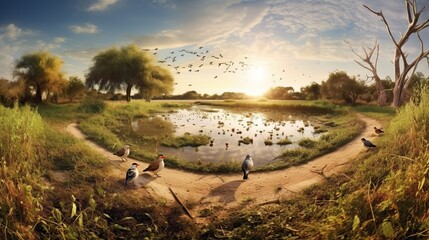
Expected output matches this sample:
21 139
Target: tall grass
21 151
383 195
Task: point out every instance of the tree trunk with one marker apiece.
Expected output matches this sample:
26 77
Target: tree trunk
38 95
129 87
382 96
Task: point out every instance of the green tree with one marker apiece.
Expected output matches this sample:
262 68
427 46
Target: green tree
75 88
312 91
40 71
158 81
127 68
340 86
279 93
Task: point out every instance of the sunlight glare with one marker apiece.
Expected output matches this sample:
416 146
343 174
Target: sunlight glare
257 77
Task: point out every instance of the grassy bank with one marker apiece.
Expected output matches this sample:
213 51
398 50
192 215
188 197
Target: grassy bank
55 187
112 128
384 195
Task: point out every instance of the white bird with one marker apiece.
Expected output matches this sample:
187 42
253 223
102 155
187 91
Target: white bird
367 143
132 174
247 166
157 165
123 153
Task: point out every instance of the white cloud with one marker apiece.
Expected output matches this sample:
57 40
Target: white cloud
214 22
59 39
11 31
101 5
87 28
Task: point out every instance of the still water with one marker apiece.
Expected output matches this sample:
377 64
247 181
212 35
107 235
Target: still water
227 129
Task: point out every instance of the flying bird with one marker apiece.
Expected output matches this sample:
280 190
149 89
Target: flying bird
123 153
132 174
367 143
247 166
378 130
156 166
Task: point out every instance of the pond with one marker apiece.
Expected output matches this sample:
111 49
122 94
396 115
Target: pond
234 133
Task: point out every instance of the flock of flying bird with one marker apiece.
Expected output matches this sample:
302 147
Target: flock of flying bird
156 166
206 58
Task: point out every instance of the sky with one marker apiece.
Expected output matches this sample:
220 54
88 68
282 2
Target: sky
212 46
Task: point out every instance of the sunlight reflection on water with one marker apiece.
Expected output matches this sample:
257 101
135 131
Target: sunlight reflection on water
228 127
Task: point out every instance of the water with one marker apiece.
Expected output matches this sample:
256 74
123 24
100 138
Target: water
227 127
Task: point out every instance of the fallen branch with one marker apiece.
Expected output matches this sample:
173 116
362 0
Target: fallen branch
180 202
319 171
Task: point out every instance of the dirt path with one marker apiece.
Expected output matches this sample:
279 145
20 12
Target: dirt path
229 190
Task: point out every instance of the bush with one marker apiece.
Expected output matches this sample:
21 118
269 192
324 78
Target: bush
92 105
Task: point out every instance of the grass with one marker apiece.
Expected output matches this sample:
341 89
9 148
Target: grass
112 129
56 187
187 140
384 195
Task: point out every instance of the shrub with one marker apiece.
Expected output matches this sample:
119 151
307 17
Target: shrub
92 105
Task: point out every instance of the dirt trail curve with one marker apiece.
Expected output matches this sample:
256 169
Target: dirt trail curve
229 190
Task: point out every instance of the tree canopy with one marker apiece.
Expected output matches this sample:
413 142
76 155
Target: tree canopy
340 86
40 72
127 68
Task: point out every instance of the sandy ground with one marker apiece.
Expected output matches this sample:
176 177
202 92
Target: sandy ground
226 191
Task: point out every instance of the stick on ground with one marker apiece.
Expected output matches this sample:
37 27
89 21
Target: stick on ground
180 202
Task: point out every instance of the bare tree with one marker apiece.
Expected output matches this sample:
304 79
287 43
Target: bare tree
371 65
403 68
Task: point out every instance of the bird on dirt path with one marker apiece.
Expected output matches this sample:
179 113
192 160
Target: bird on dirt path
156 166
378 130
132 174
247 166
367 144
123 153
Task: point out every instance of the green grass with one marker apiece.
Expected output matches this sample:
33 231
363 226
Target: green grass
187 140
382 195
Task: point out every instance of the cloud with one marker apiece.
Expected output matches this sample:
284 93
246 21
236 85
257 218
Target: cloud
87 28
101 5
214 22
59 39
11 31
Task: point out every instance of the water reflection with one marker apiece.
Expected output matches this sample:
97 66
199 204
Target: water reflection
230 131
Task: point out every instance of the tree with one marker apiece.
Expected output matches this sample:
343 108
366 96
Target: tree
279 93
158 81
128 67
371 65
340 86
312 91
40 71
402 67
75 88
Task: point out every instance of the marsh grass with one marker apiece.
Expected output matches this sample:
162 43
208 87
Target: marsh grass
383 195
187 140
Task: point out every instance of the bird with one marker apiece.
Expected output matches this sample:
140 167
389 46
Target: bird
156 166
367 143
378 130
247 166
132 174
123 152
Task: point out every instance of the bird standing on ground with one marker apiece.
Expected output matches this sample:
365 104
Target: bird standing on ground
367 144
247 166
378 130
123 153
156 166
132 174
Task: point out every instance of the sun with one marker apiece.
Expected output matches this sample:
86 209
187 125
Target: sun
256 84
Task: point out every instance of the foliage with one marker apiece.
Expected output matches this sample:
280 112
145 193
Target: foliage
92 105
340 86
117 69
383 196
75 88
312 91
21 154
42 72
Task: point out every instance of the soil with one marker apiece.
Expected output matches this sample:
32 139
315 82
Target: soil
222 192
